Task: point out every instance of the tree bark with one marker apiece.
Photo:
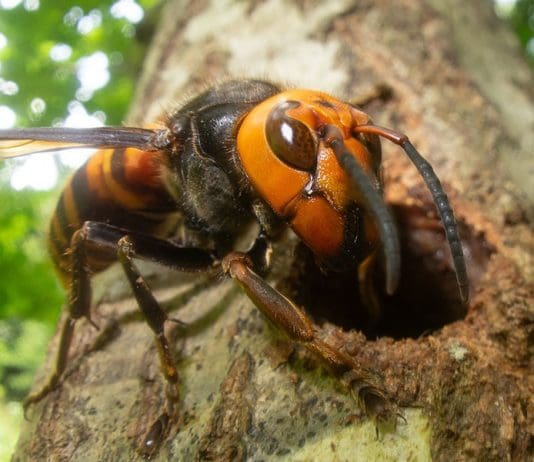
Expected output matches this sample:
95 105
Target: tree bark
463 93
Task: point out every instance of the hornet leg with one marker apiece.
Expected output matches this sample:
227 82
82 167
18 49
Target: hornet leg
300 328
114 243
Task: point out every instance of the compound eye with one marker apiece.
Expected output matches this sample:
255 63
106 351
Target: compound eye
290 139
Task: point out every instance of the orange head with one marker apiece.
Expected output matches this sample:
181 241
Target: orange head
285 150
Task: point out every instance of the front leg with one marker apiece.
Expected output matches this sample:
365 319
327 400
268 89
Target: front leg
362 384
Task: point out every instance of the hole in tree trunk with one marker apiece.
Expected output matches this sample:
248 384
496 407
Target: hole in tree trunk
427 297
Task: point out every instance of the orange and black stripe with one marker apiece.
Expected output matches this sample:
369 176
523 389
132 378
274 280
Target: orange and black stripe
123 187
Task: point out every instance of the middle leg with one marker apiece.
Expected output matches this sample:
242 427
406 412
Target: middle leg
129 245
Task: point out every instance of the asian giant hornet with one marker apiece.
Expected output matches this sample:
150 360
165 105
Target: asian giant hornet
241 152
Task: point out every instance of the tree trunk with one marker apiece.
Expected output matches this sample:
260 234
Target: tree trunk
463 94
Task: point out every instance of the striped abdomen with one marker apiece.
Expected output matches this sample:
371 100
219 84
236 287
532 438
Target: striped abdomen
122 187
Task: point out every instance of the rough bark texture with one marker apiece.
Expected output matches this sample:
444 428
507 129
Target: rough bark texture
464 95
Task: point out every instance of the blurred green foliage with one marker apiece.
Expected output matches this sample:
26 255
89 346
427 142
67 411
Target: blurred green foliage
83 27
10 418
522 20
28 287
